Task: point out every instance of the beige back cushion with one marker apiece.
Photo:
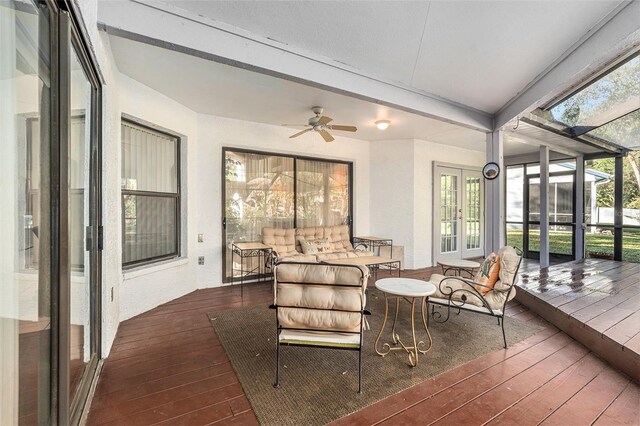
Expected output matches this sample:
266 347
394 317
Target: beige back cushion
283 241
338 236
509 260
301 285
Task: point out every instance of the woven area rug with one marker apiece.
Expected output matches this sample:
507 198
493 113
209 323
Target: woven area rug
318 386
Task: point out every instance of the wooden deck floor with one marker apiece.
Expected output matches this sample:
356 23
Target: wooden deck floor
595 301
167 366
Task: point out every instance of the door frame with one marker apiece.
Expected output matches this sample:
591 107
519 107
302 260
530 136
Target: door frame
294 157
69 34
531 254
479 252
435 223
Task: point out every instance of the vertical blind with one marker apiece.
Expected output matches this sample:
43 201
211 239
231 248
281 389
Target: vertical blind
322 193
269 190
150 194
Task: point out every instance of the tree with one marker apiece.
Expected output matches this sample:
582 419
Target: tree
619 86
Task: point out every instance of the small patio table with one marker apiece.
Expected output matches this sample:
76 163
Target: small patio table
458 266
372 242
250 250
408 289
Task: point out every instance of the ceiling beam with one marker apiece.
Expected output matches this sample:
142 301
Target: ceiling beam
616 34
173 28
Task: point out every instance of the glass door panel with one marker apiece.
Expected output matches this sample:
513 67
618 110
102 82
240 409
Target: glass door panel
322 193
25 234
472 234
258 193
81 344
448 218
561 193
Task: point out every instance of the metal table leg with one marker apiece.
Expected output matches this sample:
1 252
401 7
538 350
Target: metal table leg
418 347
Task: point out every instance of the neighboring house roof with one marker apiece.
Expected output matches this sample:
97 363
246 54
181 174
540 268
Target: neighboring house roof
599 176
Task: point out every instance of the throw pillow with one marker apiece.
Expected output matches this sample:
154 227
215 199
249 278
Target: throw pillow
315 246
488 274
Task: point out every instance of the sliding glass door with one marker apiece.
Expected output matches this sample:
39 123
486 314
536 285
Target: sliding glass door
83 195
258 192
25 235
49 251
281 191
322 193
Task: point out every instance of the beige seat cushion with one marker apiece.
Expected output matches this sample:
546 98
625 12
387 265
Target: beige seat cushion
322 257
301 286
298 257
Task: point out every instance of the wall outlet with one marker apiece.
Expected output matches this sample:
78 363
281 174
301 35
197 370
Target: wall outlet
201 238
200 260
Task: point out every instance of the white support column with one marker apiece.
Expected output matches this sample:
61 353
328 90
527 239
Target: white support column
544 206
495 196
579 239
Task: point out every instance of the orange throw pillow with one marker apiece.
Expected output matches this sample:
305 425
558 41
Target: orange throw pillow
489 274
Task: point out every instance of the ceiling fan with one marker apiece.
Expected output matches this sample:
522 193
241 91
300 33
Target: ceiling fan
320 124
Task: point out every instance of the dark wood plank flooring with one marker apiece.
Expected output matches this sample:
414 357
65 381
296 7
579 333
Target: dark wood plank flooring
167 366
595 301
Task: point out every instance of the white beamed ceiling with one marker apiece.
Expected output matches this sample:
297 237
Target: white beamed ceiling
213 88
477 53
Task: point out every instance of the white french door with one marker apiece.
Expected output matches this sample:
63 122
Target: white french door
458 213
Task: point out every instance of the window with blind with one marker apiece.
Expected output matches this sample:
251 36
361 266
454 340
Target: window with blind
150 195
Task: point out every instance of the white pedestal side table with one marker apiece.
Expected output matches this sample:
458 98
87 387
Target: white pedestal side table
410 290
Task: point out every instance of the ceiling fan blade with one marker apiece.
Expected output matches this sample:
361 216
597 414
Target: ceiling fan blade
325 120
343 128
299 133
326 136
295 125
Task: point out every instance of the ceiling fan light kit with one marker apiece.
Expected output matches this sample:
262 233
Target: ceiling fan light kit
382 124
320 124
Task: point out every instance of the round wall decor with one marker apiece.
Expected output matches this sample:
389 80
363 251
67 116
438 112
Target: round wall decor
491 171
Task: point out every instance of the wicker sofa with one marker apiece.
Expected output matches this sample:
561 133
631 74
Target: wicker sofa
285 243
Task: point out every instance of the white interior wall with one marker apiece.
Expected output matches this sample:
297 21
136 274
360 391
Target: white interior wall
402 192
392 193
146 287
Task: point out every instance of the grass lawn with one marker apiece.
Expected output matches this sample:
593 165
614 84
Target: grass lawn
560 242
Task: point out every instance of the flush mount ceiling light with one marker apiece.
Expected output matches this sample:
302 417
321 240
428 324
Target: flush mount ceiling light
382 124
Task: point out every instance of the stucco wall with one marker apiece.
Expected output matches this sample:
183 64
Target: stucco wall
392 193
402 192
144 288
